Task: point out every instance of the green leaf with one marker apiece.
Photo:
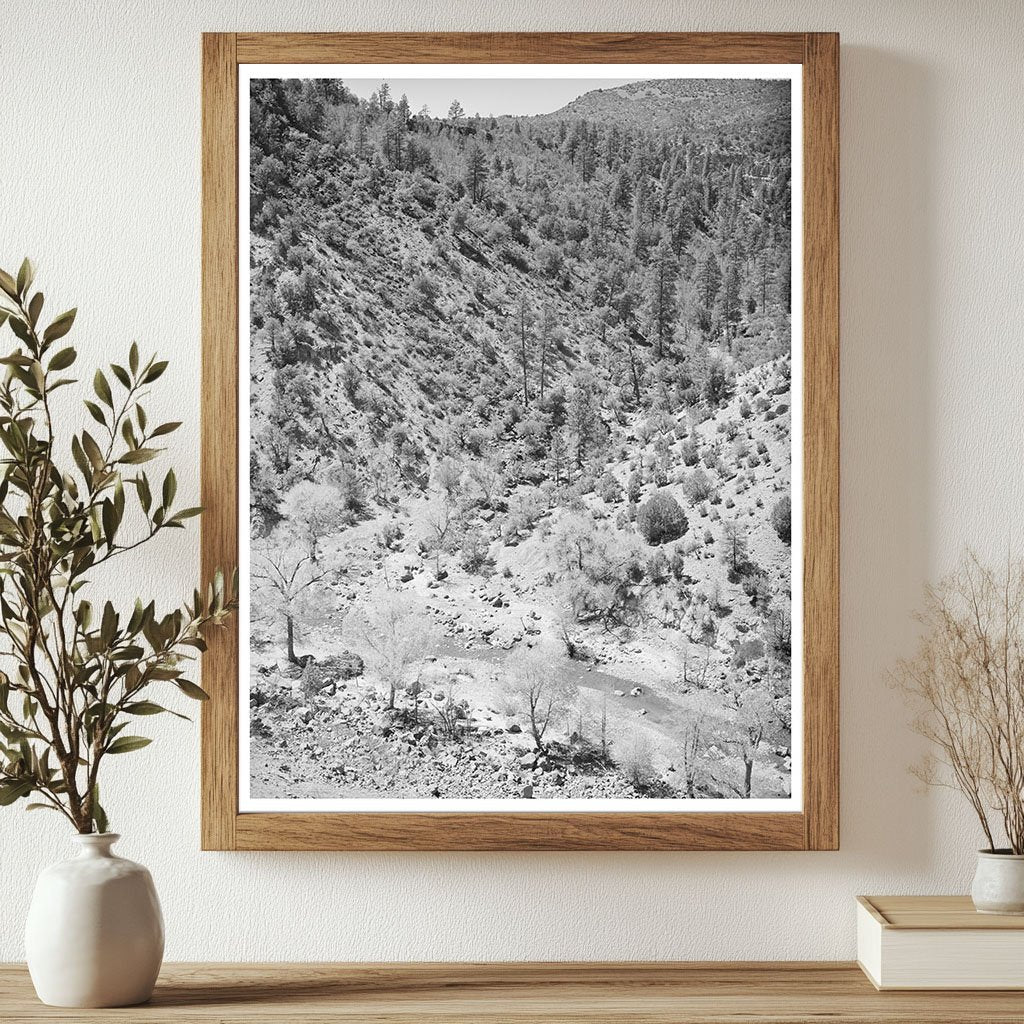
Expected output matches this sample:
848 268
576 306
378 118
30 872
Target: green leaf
99 816
92 449
145 497
133 358
126 744
109 522
95 412
35 307
166 428
8 285
14 790
155 371
60 326
63 359
102 388
144 707
138 455
41 807
20 329
26 275
147 707
191 690
128 433
170 488
186 513
121 374
108 624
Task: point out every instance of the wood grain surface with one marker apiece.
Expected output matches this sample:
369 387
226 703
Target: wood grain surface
615 993
942 913
816 827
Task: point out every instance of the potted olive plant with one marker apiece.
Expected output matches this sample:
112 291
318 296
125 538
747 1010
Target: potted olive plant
967 683
78 672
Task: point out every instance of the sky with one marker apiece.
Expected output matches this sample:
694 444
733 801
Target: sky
489 97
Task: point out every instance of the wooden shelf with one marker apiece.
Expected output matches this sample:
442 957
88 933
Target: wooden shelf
616 993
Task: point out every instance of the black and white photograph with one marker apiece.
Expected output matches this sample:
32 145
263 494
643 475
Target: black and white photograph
522 516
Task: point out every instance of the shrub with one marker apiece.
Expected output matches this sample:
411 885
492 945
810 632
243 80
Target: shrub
609 489
698 486
781 519
661 519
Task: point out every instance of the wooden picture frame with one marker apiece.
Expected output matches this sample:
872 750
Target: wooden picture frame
816 826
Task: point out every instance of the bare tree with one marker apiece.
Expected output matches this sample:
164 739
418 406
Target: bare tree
289 584
395 634
757 718
543 696
440 519
692 752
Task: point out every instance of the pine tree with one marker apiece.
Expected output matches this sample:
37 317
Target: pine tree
661 296
456 113
622 193
731 307
710 278
476 173
547 337
523 331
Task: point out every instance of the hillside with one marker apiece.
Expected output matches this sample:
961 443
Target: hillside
521 447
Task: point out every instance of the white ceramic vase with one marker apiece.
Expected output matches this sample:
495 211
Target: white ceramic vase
999 883
95 934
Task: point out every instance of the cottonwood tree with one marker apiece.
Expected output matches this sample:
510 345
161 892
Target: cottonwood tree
441 520
394 632
601 568
692 755
315 511
757 719
289 587
544 697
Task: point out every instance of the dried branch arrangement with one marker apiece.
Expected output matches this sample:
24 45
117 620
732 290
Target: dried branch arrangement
967 682
79 670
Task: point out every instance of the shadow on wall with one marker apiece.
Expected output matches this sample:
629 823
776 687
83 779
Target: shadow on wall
887 297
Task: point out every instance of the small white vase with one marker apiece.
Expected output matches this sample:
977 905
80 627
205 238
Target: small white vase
999 883
95 934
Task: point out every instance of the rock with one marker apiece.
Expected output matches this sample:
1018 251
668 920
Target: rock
619 693
527 793
514 729
637 691
528 760
406 577
641 711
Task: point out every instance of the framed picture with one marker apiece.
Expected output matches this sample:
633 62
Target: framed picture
520 420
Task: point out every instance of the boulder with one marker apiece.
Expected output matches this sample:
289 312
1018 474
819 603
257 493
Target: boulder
637 691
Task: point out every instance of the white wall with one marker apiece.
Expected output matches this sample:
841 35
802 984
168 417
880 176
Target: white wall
99 181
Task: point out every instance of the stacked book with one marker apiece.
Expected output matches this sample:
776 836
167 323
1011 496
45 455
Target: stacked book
938 942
